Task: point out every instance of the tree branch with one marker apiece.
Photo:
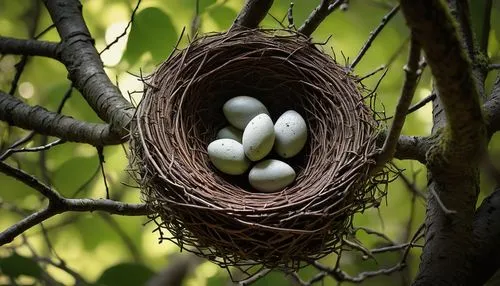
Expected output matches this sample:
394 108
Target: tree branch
252 13
373 35
58 204
492 109
85 67
409 147
486 256
28 47
453 158
37 118
412 74
318 15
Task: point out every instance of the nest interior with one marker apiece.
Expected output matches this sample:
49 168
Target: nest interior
221 217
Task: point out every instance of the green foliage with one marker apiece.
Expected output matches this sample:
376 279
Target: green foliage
152 31
125 274
16 265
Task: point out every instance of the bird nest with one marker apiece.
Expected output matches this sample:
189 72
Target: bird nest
221 217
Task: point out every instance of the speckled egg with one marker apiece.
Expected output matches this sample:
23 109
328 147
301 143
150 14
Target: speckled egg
228 156
291 134
271 175
240 110
230 132
258 137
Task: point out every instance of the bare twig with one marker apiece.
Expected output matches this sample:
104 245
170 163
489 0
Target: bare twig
382 67
445 210
10 151
252 13
318 15
374 35
412 74
59 204
124 30
254 277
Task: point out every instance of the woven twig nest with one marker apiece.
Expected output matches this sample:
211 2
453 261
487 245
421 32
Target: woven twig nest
221 217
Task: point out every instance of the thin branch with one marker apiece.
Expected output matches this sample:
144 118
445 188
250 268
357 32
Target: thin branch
254 277
318 16
124 30
421 103
412 72
17 113
58 204
30 181
374 35
252 13
445 210
494 67
73 205
28 47
47 146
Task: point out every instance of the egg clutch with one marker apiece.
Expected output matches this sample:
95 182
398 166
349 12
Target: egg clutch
251 137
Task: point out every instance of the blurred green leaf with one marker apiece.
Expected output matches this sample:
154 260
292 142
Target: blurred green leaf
17 265
73 173
152 31
223 16
125 274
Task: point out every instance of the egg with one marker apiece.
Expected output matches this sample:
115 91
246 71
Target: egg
291 134
240 110
258 137
271 175
228 156
230 132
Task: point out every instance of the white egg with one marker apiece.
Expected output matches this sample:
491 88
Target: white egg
241 109
228 156
271 175
291 134
230 132
258 137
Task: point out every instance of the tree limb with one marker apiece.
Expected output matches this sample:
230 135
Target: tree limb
412 74
252 13
492 109
486 256
39 119
318 15
78 54
28 47
58 204
453 158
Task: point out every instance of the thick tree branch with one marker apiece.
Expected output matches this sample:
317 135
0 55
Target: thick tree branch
433 27
17 113
453 159
486 256
492 109
318 15
85 67
59 204
412 148
28 47
412 74
252 13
